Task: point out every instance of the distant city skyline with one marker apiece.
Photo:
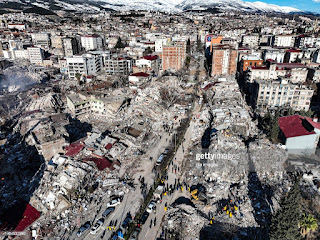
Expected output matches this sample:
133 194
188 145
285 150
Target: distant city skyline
305 5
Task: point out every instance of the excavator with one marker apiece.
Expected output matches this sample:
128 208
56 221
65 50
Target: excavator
198 193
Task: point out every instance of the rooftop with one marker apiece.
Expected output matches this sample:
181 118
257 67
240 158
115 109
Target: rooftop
295 126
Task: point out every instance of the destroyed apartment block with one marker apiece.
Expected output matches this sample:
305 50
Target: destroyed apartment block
48 139
58 183
95 104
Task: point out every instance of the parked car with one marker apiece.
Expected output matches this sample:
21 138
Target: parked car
83 229
160 159
114 202
107 212
135 234
166 151
126 222
152 205
97 226
144 217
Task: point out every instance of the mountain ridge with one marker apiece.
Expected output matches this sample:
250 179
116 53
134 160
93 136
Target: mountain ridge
152 5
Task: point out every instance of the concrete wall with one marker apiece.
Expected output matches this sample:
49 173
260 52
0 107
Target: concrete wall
302 144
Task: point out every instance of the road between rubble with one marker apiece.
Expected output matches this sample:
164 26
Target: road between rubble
177 158
134 196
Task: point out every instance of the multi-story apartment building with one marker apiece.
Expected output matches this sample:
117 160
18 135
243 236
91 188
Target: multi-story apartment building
118 66
249 61
150 62
307 41
56 41
41 39
283 41
92 42
70 46
251 40
36 55
316 57
86 65
158 44
18 26
96 104
274 54
293 55
281 93
173 56
224 60
296 72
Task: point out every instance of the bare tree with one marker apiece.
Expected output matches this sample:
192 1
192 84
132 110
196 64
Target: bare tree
168 96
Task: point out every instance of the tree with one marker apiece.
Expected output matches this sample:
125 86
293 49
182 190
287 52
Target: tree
187 61
188 46
169 96
285 222
308 224
78 76
119 44
290 112
147 51
274 131
304 113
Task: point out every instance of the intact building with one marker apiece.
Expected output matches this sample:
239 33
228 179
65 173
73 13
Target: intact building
70 46
299 134
86 65
224 60
283 41
91 42
36 55
281 93
41 39
118 66
173 56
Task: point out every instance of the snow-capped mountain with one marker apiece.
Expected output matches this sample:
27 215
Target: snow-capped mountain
157 5
183 5
239 5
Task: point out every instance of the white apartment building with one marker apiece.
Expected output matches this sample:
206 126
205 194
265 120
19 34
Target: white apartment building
281 93
41 39
91 42
283 41
151 62
70 46
316 57
159 43
296 72
307 41
275 54
36 55
250 40
293 55
121 66
19 26
86 65
80 104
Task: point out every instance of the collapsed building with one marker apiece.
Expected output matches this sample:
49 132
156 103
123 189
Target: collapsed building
234 166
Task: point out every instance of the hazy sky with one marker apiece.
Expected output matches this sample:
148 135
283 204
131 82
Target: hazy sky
308 5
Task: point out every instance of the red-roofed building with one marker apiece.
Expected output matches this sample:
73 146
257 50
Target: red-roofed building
18 217
101 162
299 134
148 63
296 72
292 55
136 79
